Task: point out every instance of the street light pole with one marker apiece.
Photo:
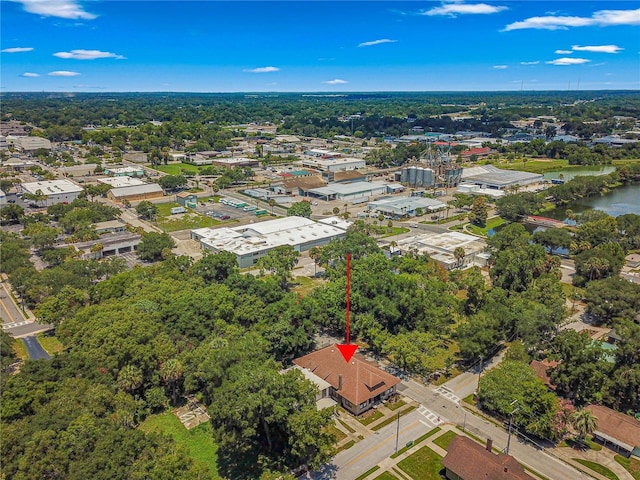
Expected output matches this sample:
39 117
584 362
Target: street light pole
398 432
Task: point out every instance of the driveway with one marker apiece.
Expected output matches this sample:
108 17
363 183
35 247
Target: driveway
34 349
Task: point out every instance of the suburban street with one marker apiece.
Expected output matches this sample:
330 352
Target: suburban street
14 322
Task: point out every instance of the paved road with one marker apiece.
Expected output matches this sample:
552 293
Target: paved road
353 462
442 402
35 350
25 328
9 311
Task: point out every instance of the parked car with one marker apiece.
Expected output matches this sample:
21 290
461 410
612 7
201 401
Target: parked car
225 217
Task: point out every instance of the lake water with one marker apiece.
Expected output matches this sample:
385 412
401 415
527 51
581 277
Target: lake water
619 201
586 171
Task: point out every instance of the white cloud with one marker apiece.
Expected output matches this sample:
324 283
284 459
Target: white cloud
536 62
500 67
568 61
453 9
376 42
563 52
261 70
56 8
87 55
601 18
337 81
597 48
17 50
63 73
30 75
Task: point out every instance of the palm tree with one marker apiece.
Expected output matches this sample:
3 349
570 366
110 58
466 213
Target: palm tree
314 254
459 255
170 372
336 210
585 423
272 203
130 378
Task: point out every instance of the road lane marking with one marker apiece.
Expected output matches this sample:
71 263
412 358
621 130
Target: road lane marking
4 307
379 444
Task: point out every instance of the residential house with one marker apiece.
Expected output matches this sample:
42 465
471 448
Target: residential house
468 460
357 385
616 430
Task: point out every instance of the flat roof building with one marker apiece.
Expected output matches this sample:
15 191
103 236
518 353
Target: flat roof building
334 164
124 171
405 206
231 162
30 144
136 193
488 176
349 191
55 191
441 247
251 242
118 182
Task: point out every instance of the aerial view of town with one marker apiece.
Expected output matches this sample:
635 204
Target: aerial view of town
260 240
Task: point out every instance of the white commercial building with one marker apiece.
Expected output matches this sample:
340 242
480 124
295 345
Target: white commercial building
352 192
405 206
252 242
441 247
118 182
334 164
55 191
488 176
30 144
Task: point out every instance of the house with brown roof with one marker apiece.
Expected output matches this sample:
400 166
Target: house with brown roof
357 385
617 430
467 460
542 369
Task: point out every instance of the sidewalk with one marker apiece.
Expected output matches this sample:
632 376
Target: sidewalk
603 457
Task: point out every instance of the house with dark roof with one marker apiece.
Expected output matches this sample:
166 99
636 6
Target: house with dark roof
468 460
616 430
357 385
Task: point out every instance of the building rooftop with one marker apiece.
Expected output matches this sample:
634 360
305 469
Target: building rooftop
348 188
136 190
471 461
488 174
118 182
406 204
52 187
612 425
361 379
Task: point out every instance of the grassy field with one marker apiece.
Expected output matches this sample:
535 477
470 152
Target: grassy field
396 405
367 473
596 467
339 434
445 439
417 441
197 442
544 165
484 231
425 464
50 343
20 349
630 464
385 476
346 446
395 231
305 285
186 221
176 168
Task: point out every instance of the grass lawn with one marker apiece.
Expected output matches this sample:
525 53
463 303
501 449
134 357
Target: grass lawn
339 434
305 285
385 476
371 417
587 442
395 231
392 419
596 467
367 473
630 464
50 343
445 439
176 168
346 446
491 223
347 427
469 399
20 349
188 221
425 464
395 405
197 442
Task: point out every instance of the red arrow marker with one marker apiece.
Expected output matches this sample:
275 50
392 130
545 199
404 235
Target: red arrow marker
348 349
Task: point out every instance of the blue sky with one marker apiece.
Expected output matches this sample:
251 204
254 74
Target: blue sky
332 46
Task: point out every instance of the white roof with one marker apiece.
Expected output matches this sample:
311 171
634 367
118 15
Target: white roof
442 243
124 169
335 161
263 236
117 182
234 160
52 187
348 188
408 203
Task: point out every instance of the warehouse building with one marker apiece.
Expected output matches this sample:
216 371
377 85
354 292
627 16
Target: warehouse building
54 191
488 176
356 192
136 193
30 144
405 206
119 182
249 243
334 164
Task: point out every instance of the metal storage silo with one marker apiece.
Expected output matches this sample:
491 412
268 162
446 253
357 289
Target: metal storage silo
428 177
419 177
403 175
412 176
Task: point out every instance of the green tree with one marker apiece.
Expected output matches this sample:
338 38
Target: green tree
479 212
272 203
154 246
280 262
12 213
130 378
147 210
585 423
300 209
553 238
41 236
171 372
459 254
172 182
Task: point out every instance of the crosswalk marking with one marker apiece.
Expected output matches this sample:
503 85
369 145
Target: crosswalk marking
434 419
7 326
448 394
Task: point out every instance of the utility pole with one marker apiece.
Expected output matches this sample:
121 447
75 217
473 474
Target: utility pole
510 427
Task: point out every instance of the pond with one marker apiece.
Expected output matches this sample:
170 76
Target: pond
619 201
